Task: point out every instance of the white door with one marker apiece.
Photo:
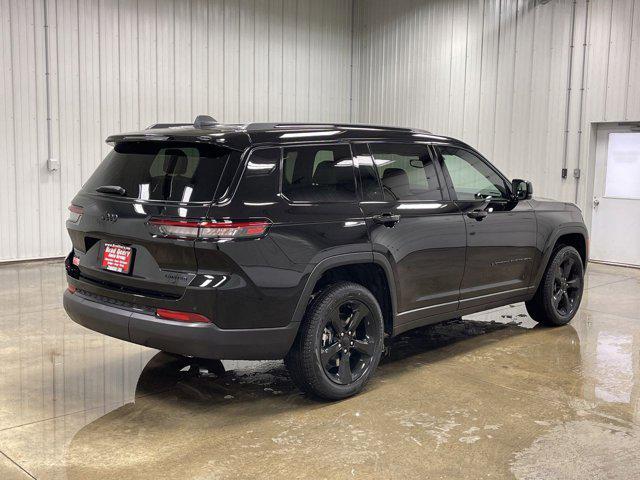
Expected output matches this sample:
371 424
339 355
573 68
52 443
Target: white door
615 227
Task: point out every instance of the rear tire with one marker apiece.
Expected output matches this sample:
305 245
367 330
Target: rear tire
339 343
558 297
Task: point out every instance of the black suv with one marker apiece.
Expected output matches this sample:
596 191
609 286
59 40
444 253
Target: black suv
312 243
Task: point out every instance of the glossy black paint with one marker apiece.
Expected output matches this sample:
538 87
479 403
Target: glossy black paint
500 251
427 232
438 262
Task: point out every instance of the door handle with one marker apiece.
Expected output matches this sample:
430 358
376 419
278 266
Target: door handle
477 214
386 219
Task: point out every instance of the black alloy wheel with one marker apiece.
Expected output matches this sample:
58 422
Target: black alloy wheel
339 343
348 342
559 294
567 287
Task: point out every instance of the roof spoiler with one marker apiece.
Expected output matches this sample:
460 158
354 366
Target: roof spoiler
201 122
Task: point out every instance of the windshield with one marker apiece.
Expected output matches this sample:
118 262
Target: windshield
176 172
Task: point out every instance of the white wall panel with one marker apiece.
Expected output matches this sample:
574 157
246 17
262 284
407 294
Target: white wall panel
120 65
495 74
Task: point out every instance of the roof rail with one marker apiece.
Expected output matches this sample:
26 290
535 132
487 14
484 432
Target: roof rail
167 125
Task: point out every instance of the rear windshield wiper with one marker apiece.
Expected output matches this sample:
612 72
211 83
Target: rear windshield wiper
112 189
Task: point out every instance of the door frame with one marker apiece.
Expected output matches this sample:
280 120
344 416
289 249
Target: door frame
587 199
421 315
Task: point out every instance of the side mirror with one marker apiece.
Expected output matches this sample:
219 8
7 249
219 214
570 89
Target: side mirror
522 189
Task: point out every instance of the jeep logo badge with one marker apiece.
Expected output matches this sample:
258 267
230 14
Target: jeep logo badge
110 217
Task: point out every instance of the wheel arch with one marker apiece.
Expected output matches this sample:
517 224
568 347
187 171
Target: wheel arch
371 270
574 235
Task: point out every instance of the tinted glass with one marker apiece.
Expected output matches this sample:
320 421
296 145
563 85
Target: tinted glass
371 189
322 173
260 179
406 171
158 171
472 178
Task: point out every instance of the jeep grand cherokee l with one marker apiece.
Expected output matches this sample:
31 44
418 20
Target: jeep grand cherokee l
312 243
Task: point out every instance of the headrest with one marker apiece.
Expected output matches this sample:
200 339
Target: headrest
175 162
325 174
395 177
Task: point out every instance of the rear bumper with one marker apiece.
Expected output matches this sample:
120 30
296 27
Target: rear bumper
192 339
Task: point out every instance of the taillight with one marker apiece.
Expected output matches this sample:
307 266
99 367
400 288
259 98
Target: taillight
181 316
173 228
75 212
207 230
71 288
232 229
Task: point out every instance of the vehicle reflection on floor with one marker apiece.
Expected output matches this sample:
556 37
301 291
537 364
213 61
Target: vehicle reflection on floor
492 394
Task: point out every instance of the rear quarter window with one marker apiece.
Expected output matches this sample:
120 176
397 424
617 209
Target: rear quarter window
176 172
260 180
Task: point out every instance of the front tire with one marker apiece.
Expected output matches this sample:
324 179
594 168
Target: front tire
339 343
558 297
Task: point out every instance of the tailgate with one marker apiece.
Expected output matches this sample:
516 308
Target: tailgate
159 267
136 182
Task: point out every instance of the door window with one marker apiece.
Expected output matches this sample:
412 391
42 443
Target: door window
369 182
406 171
472 178
318 173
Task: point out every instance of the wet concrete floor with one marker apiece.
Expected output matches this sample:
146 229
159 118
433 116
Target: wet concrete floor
490 396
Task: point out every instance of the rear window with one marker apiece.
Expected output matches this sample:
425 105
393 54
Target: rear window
167 172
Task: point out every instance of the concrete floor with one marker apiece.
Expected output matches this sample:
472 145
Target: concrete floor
489 396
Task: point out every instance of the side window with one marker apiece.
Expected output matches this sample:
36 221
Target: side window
406 171
260 179
318 173
368 177
472 178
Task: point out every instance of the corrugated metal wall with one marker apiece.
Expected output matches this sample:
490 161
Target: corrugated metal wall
122 65
500 74
496 74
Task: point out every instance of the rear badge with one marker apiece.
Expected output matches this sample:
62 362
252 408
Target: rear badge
109 217
177 278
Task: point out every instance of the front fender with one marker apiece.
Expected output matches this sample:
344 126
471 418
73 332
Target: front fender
552 239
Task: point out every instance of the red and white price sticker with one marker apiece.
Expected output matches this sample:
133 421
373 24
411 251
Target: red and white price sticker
116 258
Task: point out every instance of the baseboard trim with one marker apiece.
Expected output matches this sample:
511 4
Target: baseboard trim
614 264
30 260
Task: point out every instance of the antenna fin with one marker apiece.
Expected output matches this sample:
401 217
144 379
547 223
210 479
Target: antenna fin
204 121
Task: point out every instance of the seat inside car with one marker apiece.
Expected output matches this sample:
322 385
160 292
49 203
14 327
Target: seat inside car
396 180
331 177
174 181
